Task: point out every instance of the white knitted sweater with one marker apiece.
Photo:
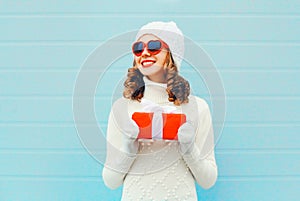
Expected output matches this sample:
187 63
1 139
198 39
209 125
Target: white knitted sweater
160 172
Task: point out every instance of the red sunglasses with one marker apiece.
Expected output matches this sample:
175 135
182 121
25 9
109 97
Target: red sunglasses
153 47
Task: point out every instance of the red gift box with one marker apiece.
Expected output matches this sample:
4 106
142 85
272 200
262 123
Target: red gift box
171 124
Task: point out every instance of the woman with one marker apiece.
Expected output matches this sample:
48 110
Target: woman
159 169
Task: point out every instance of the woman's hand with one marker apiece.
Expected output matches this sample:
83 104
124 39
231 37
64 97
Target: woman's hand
130 143
127 127
186 137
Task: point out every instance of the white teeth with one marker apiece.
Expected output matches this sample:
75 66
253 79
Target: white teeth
148 62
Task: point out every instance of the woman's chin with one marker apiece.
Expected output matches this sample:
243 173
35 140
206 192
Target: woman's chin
148 70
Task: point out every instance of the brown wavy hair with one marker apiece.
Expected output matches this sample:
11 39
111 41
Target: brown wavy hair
178 88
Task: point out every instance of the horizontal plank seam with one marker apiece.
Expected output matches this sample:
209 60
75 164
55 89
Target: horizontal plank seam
118 14
72 124
101 97
119 69
82 151
99 42
95 43
99 178
103 124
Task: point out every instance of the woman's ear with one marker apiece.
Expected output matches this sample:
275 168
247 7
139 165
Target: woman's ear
167 61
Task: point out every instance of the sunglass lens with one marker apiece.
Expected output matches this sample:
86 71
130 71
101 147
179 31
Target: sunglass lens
138 48
154 46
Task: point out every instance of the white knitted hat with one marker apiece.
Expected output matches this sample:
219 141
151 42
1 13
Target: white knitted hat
170 34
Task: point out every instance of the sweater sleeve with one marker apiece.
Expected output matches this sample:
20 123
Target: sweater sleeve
201 161
117 162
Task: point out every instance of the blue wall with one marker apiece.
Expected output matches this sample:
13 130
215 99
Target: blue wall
254 44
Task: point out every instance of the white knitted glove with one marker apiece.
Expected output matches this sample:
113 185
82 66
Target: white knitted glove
186 137
130 143
127 127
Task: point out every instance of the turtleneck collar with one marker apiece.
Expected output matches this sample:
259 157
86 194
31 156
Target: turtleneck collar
155 91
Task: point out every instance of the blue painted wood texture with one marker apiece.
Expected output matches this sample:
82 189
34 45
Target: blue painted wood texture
254 44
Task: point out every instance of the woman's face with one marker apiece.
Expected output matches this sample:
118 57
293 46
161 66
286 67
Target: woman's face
152 66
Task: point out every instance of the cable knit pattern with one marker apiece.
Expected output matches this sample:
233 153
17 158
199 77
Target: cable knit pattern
159 171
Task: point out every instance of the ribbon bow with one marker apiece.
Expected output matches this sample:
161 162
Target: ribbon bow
157 119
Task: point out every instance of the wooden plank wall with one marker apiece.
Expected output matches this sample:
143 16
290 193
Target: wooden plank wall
255 46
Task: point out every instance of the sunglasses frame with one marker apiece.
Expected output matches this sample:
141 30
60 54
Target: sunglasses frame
145 45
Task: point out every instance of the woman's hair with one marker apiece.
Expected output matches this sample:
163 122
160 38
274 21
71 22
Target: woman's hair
178 88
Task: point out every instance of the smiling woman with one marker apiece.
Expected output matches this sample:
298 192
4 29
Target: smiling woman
157 103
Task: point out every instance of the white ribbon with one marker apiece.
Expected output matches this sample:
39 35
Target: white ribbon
157 121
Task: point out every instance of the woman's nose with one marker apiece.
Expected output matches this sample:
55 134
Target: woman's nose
145 53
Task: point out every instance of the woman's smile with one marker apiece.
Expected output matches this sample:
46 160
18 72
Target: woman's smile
147 63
